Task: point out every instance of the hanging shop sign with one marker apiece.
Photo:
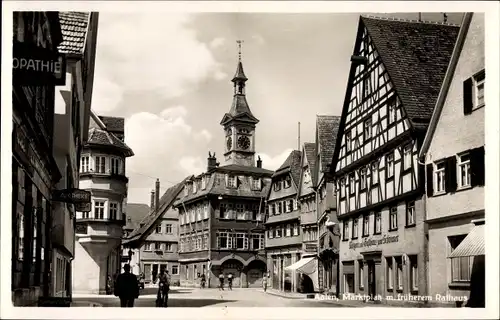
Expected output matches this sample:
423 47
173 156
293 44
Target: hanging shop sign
73 195
83 207
37 66
310 247
368 242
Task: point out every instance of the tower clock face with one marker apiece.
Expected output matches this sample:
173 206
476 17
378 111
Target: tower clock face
229 143
244 142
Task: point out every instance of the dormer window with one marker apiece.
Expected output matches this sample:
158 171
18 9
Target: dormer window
203 183
287 182
231 181
256 183
186 191
277 186
195 186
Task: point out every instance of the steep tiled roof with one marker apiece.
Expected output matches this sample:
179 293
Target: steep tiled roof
310 154
74 30
328 127
292 164
416 56
136 212
149 220
114 124
104 138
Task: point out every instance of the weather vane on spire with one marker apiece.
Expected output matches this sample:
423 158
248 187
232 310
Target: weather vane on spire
239 42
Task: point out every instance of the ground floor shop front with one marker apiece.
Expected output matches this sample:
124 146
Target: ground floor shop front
153 268
247 270
453 247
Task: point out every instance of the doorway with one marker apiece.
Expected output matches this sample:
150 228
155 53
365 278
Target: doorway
372 290
155 272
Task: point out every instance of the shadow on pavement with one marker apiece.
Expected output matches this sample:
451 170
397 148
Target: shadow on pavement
151 303
148 291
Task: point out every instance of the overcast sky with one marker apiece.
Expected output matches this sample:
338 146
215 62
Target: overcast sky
169 76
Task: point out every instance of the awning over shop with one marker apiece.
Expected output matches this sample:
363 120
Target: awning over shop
307 265
472 245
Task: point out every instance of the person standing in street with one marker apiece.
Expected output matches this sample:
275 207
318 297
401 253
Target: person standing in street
264 281
163 289
127 287
230 281
221 281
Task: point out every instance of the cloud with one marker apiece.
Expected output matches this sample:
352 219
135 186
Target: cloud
258 39
219 75
165 147
158 51
217 42
273 163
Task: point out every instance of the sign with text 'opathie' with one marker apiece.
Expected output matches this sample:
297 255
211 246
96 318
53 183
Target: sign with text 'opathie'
37 66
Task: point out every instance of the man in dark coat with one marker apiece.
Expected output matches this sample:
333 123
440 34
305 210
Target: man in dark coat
163 289
127 288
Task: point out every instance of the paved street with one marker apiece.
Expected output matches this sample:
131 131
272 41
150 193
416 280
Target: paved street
188 297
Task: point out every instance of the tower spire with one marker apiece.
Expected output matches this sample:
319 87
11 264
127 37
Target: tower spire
239 42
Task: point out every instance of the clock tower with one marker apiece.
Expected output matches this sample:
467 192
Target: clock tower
239 123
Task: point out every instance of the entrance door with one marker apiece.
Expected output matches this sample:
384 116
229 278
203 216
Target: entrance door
371 279
155 272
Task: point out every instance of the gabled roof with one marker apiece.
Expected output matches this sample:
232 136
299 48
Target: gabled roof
466 21
293 165
328 127
416 56
136 212
148 222
113 124
74 26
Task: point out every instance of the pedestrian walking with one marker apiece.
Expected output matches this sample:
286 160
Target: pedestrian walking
163 289
127 287
221 281
264 282
230 281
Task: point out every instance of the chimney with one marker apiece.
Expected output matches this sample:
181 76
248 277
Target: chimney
259 162
157 195
152 204
211 161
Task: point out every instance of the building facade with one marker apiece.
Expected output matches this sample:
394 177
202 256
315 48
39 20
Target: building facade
34 169
135 214
328 228
99 232
379 182
453 152
221 211
284 240
71 123
153 245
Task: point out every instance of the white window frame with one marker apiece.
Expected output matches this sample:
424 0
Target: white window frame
85 163
168 228
175 269
240 211
206 209
101 207
362 179
355 228
348 139
295 229
203 183
439 177
391 111
374 173
100 163
256 183
393 218
389 163
377 222
115 166
367 129
410 213
147 246
342 188
366 225
463 165
195 186
223 234
288 230
287 182
231 181
478 80
113 206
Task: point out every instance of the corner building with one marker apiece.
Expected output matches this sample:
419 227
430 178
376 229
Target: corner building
221 211
99 231
393 85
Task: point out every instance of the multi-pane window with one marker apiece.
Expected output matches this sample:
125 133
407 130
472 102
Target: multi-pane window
362 178
240 211
203 183
389 165
287 182
342 188
352 183
413 272
367 132
270 233
374 173
115 166
147 246
461 267
463 170
205 241
256 183
407 157
241 241
296 229
366 225
158 229
157 245
280 209
410 213
113 210
345 233
393 218
389 273
85 164
231 181
195 186
378 222
206 210
100 164
277 186
168 228
223 240
198 213
288 230
440 178
479 89
348 141
278 232
355 228
175 269
99 209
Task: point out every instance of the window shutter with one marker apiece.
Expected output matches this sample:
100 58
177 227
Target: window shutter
451 174
477 167
430 183
468 96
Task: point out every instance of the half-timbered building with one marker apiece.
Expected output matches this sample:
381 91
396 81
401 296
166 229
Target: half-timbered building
453 152
397 68
284 241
